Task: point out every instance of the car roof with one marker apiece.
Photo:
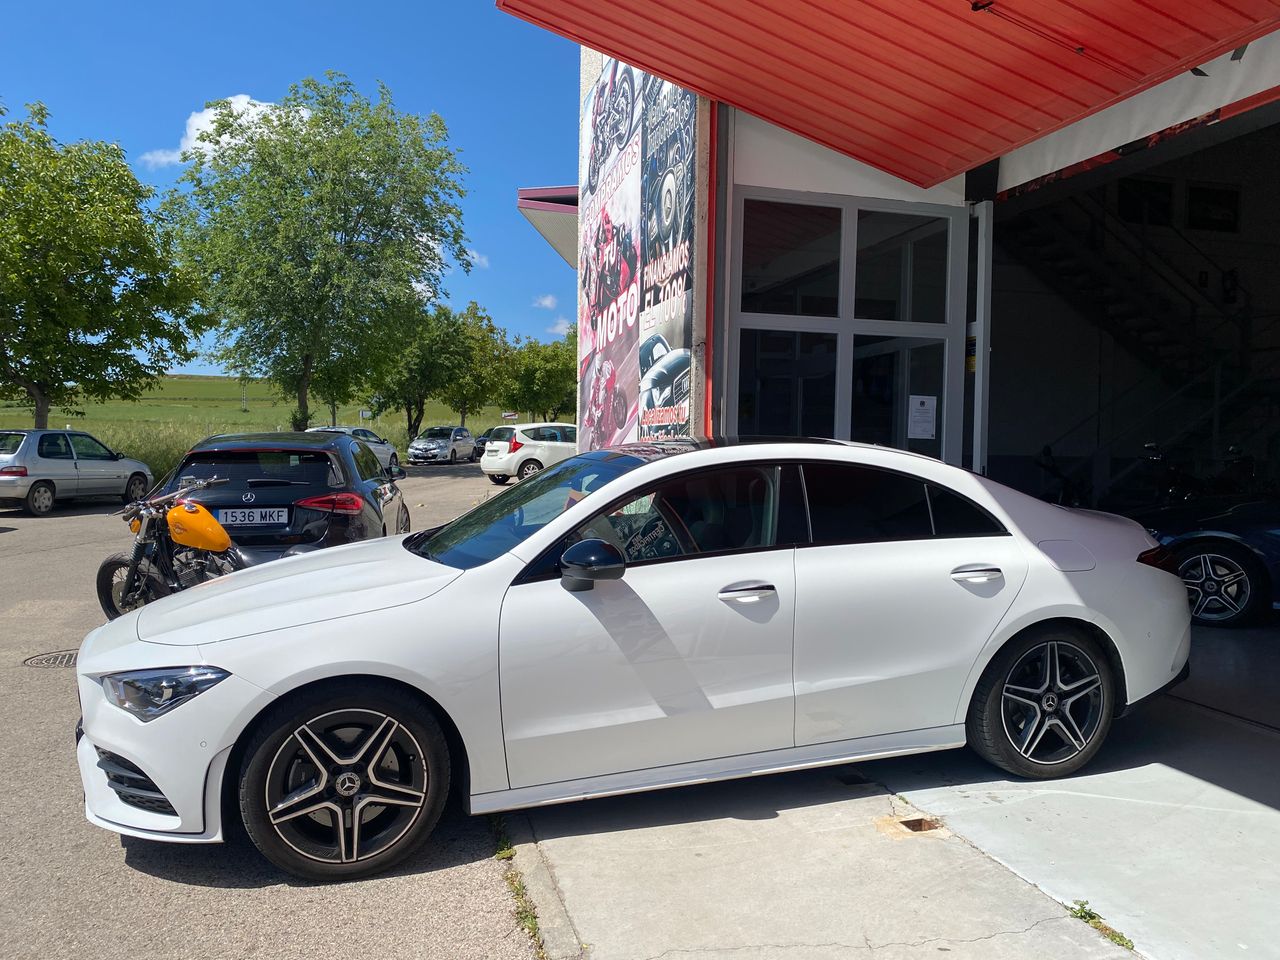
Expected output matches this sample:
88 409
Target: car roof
337 429
269 441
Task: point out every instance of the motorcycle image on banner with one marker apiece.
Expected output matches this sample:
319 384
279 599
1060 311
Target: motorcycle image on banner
635 258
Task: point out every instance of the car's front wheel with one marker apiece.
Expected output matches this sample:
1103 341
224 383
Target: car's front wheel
135 489
1044 704
394 461
344 781
1224 583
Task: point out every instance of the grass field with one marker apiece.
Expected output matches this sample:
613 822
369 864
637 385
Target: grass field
180 410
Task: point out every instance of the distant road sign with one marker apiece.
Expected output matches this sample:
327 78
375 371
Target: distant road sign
509 415
365 415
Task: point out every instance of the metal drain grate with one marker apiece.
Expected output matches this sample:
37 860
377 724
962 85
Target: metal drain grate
59 658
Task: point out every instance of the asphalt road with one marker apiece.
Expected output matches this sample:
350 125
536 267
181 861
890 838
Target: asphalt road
68 889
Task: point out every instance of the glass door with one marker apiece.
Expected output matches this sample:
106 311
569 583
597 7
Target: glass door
898 396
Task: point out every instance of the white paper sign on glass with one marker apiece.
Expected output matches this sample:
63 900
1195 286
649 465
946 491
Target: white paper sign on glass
922 417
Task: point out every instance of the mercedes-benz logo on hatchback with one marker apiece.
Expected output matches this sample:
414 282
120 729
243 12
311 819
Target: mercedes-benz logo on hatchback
248 497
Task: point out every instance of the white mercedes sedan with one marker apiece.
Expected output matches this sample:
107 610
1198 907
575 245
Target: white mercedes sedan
628 619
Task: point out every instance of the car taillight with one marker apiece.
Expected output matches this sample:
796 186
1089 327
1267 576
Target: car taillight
13 471
334 502
1162 558
514 445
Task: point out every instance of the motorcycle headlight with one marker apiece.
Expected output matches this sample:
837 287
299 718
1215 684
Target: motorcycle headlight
149 693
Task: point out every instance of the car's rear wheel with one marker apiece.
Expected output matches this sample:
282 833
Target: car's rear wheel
342 782
498 478
1044 704
135 489
529 468
39 501
1224 583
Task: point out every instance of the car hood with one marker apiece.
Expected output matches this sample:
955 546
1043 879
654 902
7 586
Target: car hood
294 591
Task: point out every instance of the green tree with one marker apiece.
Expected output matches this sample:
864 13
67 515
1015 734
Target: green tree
542 378
474 363
91 303
430 354
316 225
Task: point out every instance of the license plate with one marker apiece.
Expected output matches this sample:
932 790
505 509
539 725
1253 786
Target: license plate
258 516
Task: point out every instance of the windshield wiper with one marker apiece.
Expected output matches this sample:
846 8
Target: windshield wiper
276 482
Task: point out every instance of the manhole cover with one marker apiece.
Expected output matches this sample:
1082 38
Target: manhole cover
59 658
920 824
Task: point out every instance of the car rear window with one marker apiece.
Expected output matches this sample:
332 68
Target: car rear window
501 434
10 442
259 468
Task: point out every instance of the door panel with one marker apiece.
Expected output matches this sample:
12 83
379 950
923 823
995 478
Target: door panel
886 633
56 462
99 471
649 670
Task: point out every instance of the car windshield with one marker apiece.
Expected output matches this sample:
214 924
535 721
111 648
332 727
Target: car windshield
10 442
510 518
436 433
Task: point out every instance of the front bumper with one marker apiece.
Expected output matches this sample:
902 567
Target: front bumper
426 456
181 758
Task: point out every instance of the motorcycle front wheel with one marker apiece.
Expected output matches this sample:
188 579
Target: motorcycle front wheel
111 577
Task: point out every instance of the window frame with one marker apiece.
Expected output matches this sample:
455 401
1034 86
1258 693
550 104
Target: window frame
952 332
72 434
71 452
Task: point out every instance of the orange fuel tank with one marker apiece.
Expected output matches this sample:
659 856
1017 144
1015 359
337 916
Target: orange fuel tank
191 525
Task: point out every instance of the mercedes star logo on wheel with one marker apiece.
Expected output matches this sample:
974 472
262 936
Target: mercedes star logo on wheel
347 784
248 497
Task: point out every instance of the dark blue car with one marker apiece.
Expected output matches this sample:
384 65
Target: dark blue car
1228 550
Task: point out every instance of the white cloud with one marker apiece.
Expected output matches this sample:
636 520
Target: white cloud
478 259
197 123
546 302
560 327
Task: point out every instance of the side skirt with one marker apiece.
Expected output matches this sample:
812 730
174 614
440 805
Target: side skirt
723 768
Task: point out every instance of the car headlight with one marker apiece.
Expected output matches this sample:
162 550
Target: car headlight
149 693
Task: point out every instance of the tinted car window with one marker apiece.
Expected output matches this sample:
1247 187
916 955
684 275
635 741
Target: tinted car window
499 524
502 434
570 434
254 469
367 464
54 446
715 511
854 504
10 442
87 448
955 516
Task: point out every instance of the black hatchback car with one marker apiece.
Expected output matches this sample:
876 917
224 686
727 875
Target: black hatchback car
294 492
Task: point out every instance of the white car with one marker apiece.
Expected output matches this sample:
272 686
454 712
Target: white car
629 619
384 450
522 450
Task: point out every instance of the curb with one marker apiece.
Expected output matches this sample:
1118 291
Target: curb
559 938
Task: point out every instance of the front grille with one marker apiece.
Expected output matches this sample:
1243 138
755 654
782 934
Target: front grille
681 389
131 785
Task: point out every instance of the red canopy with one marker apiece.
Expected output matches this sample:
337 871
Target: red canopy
923 89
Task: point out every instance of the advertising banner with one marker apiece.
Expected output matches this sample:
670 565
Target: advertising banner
635 258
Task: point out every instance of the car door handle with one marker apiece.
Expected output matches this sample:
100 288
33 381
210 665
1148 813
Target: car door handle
748 592
976 574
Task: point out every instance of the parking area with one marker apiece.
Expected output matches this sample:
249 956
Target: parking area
1173 834
72 890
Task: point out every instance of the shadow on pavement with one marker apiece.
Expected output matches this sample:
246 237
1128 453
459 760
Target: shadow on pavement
236 864
68 508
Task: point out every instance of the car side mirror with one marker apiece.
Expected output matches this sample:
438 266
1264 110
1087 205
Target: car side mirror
587 561
396 472
117 455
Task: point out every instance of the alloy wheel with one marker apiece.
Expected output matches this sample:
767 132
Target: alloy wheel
1052 703
346 786
137 489
1218 587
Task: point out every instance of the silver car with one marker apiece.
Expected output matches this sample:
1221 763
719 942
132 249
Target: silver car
443 445
384 450
39 467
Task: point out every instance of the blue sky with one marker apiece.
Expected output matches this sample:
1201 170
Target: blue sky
133 73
